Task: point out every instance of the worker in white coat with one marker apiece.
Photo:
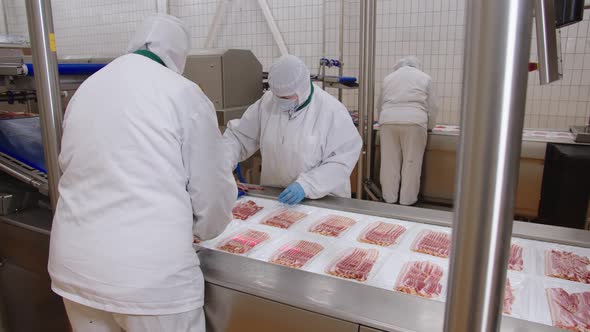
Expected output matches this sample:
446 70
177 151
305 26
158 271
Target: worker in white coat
142 172
408 108
308 142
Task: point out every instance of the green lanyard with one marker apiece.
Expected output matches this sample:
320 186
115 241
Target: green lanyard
307 101
150 55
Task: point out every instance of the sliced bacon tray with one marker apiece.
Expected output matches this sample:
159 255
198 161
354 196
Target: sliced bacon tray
433 243
243 242
508 298
284 218
515 262
297 253
355 263
567 265
245 210
382 233
332 225
569 311
421 278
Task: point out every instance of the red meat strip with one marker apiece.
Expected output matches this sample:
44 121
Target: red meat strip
569 311
243 242
420 278
245 210
355 263
297 254
382 233
433 243
508 298
332 225
515 261
284 218
567 265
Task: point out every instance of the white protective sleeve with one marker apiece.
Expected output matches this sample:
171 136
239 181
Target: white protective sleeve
211 186
431 105
343 147
241 139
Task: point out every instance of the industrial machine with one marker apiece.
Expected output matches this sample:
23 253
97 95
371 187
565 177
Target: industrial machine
231 78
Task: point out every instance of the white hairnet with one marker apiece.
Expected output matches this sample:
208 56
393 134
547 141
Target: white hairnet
166 36
289 76
411 61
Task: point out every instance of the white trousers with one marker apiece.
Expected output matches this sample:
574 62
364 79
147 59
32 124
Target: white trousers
87 319
402 150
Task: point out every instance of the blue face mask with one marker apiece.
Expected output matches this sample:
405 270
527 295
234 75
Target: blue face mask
287 105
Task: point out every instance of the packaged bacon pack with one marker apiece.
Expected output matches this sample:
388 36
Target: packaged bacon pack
567 263
332 225
285 217
355 263
382 233
413 274
421 278
433 242
243 241
296 254
245 209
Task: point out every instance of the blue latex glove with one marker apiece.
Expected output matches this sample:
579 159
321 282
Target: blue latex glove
241 193
293 194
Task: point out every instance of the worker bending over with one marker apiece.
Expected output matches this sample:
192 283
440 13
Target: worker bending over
306 137
141 160
408 107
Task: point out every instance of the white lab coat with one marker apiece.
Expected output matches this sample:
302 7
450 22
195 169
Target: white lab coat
408 97
140 155
317 146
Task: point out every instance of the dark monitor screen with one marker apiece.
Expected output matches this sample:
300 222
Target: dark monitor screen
568 12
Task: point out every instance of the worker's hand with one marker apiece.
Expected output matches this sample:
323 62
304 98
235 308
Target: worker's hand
293 194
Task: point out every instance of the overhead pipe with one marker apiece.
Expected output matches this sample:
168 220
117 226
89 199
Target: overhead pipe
40 21
70 68
497 49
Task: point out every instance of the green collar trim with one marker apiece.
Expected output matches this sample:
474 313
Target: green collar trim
304 105
150 55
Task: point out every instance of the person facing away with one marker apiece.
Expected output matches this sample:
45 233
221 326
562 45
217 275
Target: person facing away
408 108
308 142
142 171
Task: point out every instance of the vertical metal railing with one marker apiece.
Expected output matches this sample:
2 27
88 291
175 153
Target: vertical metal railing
366 89
42 37
498 38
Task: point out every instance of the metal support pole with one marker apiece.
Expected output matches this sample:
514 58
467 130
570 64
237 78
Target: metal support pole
214 27
274 28
367 85
498 35
341 47
546 41
40 21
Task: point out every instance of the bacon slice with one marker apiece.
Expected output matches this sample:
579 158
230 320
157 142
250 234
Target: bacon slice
243 241
508 298
332 225
283 218
355 263
433 243
296 254
567 265
382 233
245 210
515 262
420 278
569 311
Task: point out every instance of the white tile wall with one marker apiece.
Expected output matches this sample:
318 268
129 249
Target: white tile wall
430 29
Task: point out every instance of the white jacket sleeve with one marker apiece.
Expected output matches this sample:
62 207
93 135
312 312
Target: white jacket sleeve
242 136
432 105
211 186
343 147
